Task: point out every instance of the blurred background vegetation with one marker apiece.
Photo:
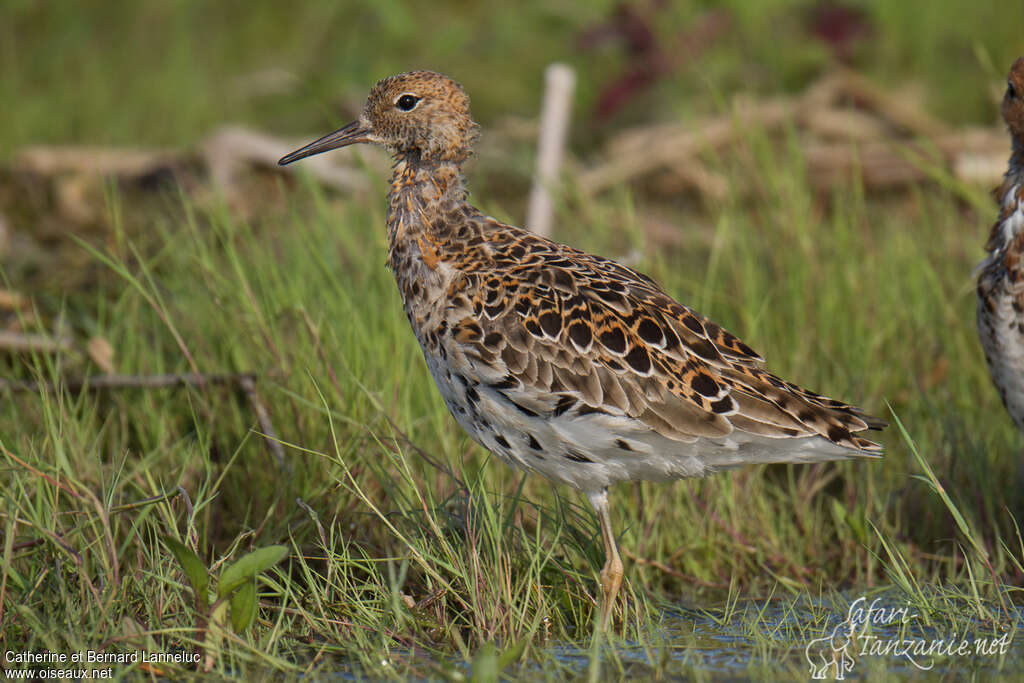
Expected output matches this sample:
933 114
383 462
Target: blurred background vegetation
859 294
167 73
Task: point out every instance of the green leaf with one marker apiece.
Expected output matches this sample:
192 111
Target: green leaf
194 569
249 566
243 606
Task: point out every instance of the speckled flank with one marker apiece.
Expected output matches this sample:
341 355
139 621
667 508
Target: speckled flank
1001 277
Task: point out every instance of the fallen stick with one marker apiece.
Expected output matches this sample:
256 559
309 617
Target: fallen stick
21 341
973 156
820 111
248 385
976 155
677 143
890 106
225 153
50 160
693 173
232 149
844 124
97 382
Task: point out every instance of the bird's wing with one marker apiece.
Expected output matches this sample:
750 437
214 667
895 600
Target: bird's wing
568 331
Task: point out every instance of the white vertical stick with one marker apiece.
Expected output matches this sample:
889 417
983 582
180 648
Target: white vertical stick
559 80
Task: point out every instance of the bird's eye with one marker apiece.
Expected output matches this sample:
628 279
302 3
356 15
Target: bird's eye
1011 92
407 102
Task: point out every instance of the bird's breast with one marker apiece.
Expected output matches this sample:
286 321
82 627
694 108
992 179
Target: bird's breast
1001 305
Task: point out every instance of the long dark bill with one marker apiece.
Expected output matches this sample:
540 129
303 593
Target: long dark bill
349 135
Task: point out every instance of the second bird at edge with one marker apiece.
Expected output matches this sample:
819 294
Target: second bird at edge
561 362
1001 274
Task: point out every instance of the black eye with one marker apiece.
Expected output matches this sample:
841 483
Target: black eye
1010 91
407 102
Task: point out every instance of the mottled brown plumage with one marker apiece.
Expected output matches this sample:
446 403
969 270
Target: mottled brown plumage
561 362
1001 276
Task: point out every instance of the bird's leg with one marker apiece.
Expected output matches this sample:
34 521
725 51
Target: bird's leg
611 574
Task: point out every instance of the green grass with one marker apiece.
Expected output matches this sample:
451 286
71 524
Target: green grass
411 551
487 555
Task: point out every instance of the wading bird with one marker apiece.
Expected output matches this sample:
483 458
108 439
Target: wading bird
560 362
1001 278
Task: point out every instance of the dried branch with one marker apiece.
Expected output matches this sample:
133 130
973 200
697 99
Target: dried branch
880 137
98 382
889 105
973 156
231 149
23 341
48 160
248 385
646 152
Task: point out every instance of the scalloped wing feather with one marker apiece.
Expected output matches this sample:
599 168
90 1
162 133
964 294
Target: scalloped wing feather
570 332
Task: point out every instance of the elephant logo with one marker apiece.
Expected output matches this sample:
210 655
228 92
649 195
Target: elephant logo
832 652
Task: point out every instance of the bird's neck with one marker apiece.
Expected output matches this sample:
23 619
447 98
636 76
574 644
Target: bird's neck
1015 174
1009 193
424 192
1010 224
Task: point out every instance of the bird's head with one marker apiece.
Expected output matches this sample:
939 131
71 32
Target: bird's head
420 113
1013 100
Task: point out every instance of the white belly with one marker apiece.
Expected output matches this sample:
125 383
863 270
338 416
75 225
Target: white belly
592 451
1002 338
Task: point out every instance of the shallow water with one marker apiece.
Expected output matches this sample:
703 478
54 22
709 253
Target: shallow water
873 637
878 636
855 636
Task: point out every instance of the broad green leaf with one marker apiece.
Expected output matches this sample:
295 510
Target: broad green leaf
243 606
249 566
194 568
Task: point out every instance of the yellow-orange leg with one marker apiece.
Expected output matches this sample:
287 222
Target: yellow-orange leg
611 574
